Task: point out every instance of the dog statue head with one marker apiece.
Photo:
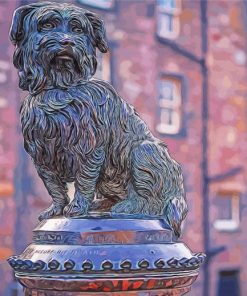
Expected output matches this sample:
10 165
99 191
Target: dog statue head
55 45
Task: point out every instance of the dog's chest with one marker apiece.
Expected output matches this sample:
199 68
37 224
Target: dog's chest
50 137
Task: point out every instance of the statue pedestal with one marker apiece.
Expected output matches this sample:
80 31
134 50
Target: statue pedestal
167 292
102 256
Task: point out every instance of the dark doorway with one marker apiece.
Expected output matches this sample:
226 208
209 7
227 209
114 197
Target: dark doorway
228 283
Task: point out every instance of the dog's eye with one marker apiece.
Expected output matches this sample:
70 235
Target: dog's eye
48 26
77 30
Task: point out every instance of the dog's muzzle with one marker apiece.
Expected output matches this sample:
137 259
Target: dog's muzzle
65 58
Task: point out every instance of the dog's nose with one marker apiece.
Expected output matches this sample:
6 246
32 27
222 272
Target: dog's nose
67 42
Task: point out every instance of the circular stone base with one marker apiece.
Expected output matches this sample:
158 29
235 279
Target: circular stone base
167 292
103 256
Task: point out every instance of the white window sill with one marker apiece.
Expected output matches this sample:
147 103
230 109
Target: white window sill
226 225
167 129
98 4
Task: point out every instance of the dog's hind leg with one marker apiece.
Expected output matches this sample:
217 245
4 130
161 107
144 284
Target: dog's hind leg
57 190
156 179
147 181
85 185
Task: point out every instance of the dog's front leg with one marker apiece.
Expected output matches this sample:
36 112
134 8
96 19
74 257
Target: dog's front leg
85 185
57 190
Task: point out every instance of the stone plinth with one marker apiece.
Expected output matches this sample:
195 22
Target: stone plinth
102 256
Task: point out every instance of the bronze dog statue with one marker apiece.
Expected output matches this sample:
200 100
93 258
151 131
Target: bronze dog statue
78 129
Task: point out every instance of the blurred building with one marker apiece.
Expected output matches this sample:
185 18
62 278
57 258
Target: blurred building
182 64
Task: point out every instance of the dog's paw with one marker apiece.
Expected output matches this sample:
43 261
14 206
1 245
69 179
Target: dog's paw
52 211
78 207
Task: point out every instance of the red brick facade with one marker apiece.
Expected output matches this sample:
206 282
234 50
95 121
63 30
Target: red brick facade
227 131
208 60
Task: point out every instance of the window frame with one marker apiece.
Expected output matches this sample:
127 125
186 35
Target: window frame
233 223
181 130
166 12
112 47
107 55
88 3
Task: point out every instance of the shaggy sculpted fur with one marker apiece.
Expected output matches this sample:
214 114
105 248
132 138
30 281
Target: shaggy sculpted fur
79 130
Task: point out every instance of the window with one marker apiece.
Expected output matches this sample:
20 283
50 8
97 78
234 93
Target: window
168 25
228 283
105 4
170 103
227 210
103 67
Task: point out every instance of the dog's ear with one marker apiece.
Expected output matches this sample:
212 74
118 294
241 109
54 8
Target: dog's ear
98 30
17 29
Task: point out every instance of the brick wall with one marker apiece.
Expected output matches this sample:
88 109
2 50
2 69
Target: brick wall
227 133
